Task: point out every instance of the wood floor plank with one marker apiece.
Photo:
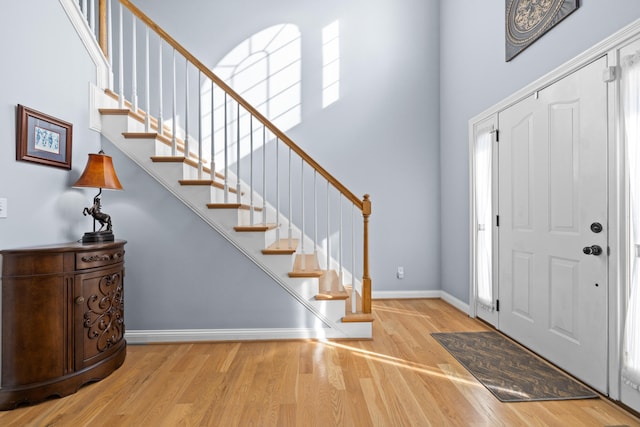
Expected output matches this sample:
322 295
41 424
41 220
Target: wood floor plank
402 377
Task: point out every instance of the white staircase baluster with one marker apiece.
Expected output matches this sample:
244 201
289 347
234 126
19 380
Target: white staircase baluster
264 174
354 307
290 196
278 191
251 206
187 149
160 89
226 151
147 85
212 162
110 42
200 165
120 61
315 211
328 229
302 205
134 68
340 244
238 192
91 10
174 108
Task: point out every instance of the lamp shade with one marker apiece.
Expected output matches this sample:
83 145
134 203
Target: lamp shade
99 173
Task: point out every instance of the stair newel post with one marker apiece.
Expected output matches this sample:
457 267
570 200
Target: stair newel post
147 96
134 65
103 29
160 89
174 107
238 191
120 60
366 280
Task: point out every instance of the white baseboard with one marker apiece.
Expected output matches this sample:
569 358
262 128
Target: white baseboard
199 335
460 305
196 335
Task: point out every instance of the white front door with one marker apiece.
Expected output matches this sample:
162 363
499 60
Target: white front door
553 223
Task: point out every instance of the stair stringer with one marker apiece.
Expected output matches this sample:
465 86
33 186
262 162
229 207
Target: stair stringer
222 221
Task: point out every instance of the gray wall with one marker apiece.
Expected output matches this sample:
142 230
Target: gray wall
474 76
52 75
381 137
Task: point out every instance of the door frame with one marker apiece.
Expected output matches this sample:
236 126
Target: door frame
617 204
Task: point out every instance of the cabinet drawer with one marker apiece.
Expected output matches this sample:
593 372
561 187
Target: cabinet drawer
100 258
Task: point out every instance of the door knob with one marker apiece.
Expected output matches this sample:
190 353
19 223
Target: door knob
592 250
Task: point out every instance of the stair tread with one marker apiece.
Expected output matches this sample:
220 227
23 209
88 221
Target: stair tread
240 206
358 316
330 288
282 247
306 265
255 227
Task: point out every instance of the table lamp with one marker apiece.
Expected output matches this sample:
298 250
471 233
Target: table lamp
98 173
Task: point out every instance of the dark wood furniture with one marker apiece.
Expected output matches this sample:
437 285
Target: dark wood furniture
62 319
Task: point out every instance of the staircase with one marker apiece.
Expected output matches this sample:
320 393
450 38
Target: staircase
215 176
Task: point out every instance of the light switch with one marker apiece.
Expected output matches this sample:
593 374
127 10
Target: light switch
3 207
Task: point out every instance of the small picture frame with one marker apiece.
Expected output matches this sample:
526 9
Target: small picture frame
43 139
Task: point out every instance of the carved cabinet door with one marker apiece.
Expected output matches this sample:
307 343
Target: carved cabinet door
98 315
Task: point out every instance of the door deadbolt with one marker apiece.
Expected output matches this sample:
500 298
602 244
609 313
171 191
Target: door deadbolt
592 250
596 227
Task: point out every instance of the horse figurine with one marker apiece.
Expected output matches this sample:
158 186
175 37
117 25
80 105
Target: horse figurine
101 217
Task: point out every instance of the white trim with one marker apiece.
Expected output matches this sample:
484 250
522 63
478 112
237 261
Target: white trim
200 335
446 297
460 305
103 68
405 294
88 39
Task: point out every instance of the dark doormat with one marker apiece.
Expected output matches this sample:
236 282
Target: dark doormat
510 372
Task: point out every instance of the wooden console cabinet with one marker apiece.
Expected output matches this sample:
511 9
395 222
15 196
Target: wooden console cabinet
62 319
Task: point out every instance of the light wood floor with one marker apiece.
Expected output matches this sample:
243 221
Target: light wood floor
401 378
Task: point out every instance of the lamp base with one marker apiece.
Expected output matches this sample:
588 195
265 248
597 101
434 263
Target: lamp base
98 236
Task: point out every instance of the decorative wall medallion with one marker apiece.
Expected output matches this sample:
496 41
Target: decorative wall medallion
527 20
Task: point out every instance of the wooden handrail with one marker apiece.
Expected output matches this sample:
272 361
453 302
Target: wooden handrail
273 128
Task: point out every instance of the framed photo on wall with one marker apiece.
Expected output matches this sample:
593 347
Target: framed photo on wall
527 20
43 139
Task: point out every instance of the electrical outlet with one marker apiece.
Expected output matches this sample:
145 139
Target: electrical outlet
3 208
400 273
